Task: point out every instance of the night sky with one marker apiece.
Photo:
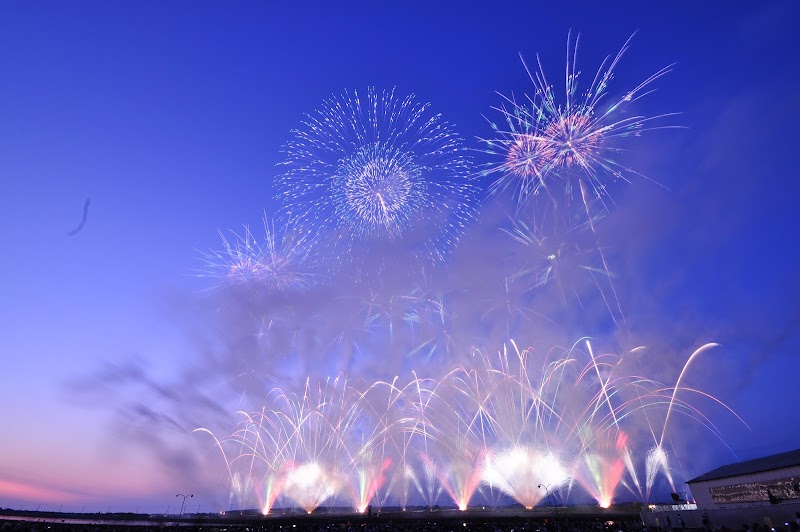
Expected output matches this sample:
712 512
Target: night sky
172 116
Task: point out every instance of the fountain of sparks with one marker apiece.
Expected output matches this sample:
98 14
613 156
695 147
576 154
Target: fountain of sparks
514 421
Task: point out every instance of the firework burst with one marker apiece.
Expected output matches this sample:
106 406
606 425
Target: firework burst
547 140
379 171
279 263
569 263
521 155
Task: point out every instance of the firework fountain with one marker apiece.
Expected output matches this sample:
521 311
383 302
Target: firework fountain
509 423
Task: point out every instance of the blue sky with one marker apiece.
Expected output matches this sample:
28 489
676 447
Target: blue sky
171 117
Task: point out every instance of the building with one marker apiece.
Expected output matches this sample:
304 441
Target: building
767 481
765 491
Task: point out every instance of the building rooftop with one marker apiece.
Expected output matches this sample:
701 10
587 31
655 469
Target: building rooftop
766 463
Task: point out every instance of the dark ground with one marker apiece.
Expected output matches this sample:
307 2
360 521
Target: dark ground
510 520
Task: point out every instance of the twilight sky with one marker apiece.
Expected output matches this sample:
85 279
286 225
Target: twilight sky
171 118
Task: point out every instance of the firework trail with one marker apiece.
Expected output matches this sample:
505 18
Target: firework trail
377 172
406 322
510 307
569 261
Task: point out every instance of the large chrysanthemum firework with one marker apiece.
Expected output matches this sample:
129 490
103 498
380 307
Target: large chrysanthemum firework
379 169
568 145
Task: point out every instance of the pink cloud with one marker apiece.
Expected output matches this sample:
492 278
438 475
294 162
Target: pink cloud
25 491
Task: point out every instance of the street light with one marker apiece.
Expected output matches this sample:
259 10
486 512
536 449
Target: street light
552 501
184 500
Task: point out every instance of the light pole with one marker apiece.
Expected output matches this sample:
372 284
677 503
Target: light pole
552 501
184 499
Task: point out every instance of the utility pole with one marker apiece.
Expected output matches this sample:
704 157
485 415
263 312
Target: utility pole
547 492
184 499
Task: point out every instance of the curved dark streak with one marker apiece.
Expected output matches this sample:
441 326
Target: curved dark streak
83 218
